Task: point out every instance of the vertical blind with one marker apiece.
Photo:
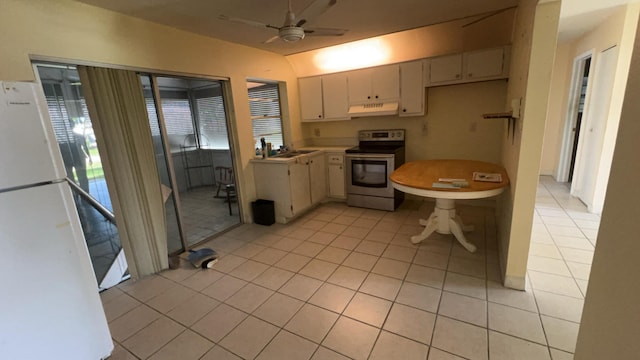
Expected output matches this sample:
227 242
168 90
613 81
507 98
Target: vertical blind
264 104
58 112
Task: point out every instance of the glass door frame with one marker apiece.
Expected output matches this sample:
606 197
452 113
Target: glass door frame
231 130
155 92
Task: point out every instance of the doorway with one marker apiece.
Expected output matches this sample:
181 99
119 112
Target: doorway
586 65
592 163
188 124
189 127
578 99
79 149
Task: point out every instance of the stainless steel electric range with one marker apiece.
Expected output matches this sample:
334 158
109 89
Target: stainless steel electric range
368 168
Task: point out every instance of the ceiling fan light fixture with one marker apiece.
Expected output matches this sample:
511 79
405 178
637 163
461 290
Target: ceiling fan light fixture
291 33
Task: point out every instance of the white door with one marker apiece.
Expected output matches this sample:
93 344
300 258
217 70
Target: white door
592 132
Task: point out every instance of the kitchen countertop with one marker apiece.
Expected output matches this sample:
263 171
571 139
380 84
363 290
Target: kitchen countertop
325 149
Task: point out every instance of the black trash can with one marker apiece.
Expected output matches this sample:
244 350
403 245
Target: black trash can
263 212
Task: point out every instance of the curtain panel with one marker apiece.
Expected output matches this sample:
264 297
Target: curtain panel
118 112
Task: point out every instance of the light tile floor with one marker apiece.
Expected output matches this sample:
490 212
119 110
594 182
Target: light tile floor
345 282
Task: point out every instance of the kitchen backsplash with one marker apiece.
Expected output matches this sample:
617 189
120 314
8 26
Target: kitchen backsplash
332 141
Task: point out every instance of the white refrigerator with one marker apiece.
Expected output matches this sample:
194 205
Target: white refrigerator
49 302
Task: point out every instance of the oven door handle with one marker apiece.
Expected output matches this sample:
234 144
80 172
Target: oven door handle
370 156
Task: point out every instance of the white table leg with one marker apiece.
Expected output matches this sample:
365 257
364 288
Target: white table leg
456 229
430 225
444 220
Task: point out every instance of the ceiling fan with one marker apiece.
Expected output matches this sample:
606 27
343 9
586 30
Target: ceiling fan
292 30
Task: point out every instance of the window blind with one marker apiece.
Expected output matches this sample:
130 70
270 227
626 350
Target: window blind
212 122
58 112
264 104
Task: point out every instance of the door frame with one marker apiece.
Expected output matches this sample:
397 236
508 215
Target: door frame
573 102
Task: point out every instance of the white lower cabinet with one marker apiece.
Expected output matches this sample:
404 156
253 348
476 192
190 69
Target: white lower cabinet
294 186
318 182
335 176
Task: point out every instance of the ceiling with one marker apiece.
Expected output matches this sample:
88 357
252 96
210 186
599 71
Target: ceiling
579 16
362 18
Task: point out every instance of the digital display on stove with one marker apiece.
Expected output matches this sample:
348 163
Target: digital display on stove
376 135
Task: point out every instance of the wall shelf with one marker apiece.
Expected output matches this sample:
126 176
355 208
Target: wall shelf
505 115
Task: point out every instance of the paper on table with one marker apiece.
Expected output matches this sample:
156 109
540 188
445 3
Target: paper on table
488 177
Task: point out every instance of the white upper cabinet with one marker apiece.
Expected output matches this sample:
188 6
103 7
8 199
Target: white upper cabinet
472 66
324 98
386 82
335 97
445 69
483 64
311 98
374 84
328 97
411 89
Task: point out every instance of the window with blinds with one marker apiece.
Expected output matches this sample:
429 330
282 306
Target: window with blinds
58 112
264 103
210 118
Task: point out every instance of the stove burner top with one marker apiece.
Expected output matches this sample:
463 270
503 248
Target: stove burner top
379 149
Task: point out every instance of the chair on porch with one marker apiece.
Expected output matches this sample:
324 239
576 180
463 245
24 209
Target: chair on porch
227 184
224 177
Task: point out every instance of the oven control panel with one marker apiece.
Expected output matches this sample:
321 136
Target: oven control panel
381 135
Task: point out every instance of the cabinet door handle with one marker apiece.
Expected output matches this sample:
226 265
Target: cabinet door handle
404 110
319 116
368 97
376 96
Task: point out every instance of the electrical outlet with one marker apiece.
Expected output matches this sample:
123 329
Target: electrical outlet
316 131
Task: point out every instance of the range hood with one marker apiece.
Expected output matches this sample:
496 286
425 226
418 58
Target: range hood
374 109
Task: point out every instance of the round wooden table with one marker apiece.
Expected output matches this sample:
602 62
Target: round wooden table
429 178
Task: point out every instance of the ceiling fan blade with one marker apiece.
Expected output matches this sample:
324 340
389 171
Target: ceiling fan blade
324 32
272 39
246 22
315 9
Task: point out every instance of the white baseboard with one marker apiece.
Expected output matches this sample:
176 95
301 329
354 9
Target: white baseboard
514 282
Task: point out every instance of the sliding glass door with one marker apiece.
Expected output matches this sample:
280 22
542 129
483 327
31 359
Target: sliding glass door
188 124
79 148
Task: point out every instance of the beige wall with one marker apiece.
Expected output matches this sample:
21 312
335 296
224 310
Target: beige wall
454 124
558 97
446 38
533 52
81 33
611 317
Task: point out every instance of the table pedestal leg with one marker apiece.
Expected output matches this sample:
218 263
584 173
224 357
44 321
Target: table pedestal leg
430 226
445 221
